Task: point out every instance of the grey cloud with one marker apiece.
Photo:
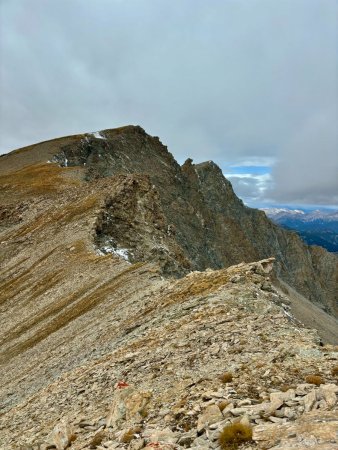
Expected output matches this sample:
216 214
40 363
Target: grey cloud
247 186
308 172
252 188
224 80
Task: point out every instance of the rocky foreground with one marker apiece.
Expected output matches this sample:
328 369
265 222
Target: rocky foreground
213 348
115 334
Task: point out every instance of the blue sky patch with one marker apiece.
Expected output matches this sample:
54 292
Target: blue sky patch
253 170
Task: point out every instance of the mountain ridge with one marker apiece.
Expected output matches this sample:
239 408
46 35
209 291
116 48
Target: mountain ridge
116 332
211 225
179 189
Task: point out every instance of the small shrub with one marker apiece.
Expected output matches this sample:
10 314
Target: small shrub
129 435
314 379
226 377
334 371
286 387
234 435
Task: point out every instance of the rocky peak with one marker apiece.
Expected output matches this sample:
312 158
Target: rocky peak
212 226
216 188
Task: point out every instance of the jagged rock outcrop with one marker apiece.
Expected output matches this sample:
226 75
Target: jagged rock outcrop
131 221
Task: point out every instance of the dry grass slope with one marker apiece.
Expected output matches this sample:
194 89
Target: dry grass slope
39 179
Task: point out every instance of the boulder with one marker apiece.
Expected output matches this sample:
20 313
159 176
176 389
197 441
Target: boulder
128 405
63 435
210 415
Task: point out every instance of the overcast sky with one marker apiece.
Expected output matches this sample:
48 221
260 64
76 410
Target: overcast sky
251 84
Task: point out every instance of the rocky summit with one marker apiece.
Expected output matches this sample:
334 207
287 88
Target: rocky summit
145 306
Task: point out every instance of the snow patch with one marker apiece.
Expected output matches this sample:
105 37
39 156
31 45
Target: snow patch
275 211
123 252
288 314
98 135
109 249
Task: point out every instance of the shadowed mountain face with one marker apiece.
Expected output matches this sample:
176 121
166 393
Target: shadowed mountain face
211 225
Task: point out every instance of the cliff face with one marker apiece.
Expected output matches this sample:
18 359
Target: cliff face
211 225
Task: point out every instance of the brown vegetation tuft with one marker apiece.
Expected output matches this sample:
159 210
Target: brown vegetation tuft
314 379
144 413
286 387
234 435
226 377
129 435
223 404
188 287
334 371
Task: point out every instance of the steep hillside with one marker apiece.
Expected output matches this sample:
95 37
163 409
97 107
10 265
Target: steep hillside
115 333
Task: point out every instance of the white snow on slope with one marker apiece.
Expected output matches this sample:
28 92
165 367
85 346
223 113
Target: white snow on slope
274 211
122 252
98 135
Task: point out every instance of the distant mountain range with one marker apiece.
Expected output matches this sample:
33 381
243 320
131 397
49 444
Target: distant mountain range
315 227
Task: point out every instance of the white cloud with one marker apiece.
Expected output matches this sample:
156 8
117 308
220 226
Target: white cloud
254 161
249 187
